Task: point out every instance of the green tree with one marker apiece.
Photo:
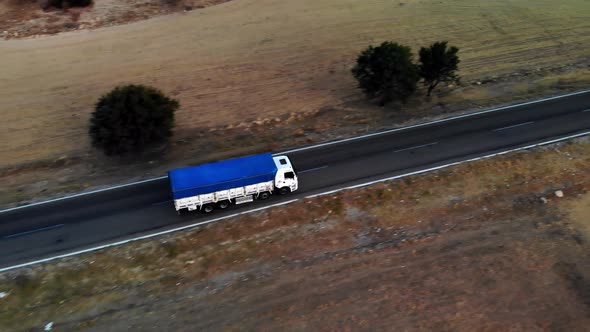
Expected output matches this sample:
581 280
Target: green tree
386 72
131 118
438 63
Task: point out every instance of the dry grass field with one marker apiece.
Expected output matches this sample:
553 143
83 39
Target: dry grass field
250 59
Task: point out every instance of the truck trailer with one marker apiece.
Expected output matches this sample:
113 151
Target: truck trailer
232 181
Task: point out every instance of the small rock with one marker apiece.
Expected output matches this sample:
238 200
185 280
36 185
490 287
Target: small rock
299 132
49 326
3 294
543 200
559 193
478 83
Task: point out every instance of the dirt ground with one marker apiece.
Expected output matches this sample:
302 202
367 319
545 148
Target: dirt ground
258 75
32 18
494 245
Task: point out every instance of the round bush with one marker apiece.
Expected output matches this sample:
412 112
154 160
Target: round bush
386 72
131 118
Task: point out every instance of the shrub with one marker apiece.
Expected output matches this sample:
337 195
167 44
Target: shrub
131 118
438 63
386 72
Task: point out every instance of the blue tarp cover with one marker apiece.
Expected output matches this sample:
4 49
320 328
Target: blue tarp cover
221 175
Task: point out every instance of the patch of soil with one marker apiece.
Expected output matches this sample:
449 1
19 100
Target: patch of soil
19 19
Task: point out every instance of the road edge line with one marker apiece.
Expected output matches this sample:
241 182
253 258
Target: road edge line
451 118
452 164
139 238
82 194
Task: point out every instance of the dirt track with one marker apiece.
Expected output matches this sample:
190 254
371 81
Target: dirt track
251 59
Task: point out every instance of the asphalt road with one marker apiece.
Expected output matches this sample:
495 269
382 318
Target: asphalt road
89 220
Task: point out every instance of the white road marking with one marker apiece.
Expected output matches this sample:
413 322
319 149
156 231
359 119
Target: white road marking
416 147
588 110
451 164
312 169
33 231
432 122
83 194
321 145
288 202
118 243
164 202
514 126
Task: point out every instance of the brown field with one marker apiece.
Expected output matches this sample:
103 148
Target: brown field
468 248
251 59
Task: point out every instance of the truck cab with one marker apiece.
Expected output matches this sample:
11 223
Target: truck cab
285 178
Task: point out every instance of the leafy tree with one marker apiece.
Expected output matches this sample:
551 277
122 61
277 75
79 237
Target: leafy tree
386 72
130 118
438 63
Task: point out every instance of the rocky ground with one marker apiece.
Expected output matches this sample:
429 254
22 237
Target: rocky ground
494 245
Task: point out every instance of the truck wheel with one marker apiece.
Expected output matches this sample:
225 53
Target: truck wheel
208 208
263 195
284 190
223 204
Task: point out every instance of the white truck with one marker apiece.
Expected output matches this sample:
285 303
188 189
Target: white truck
233 181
